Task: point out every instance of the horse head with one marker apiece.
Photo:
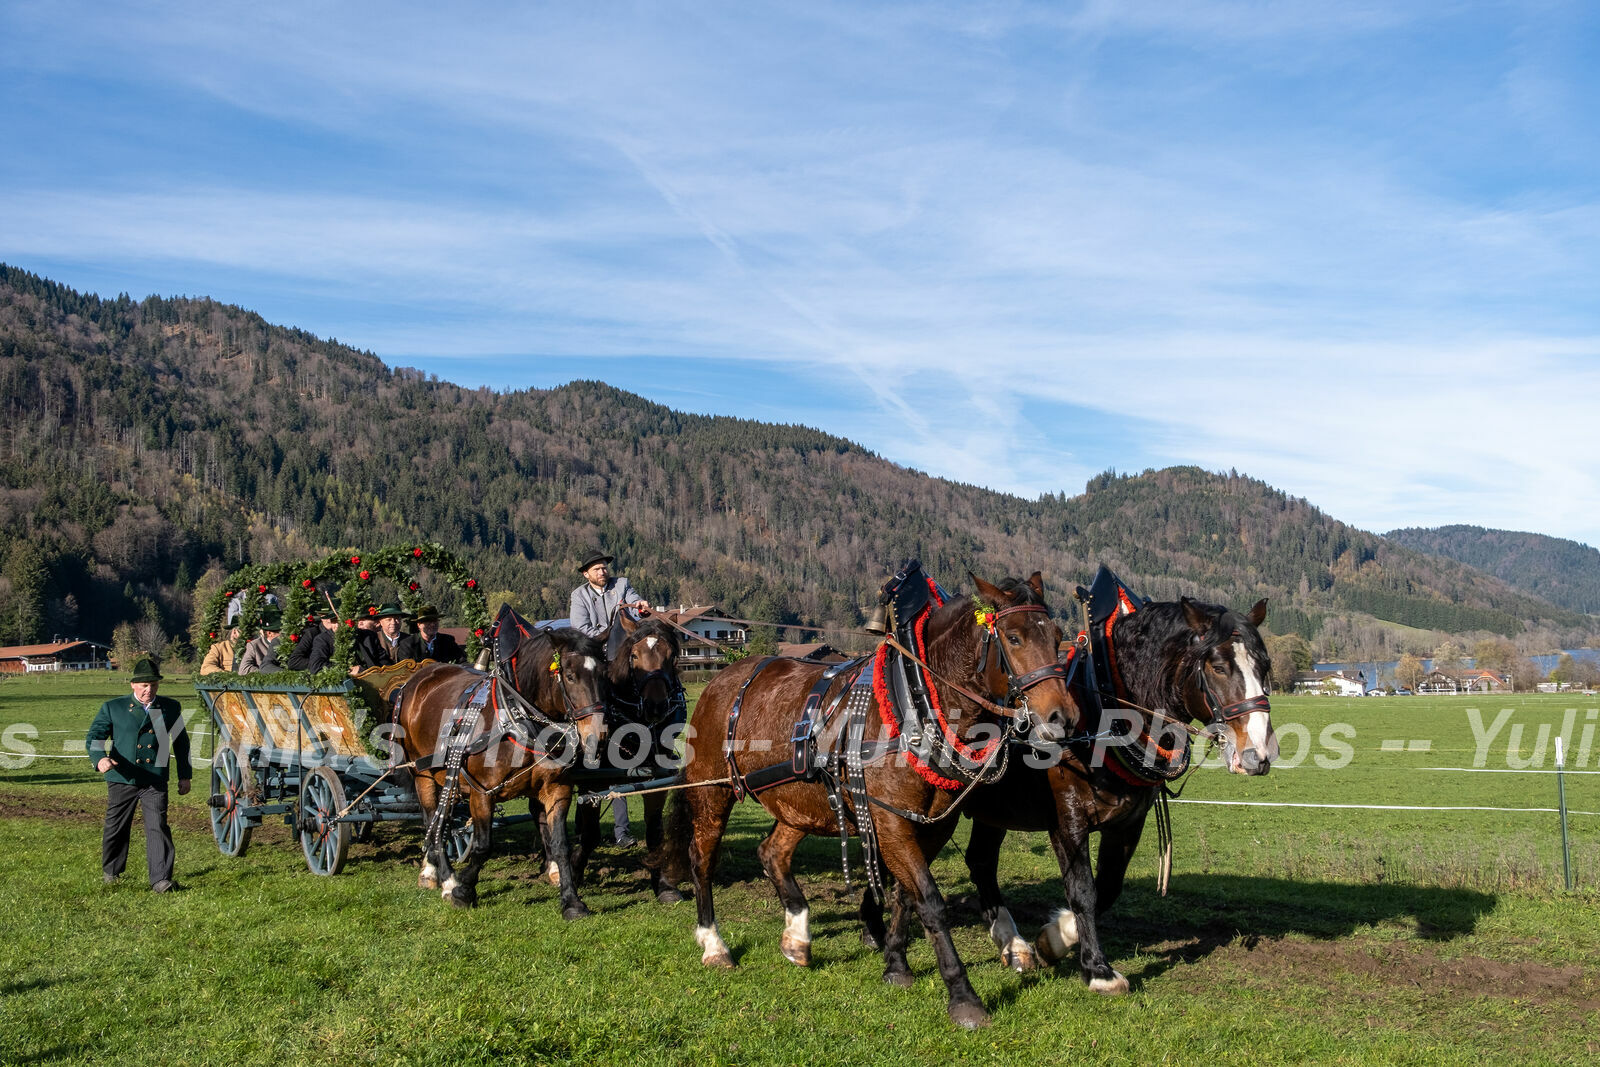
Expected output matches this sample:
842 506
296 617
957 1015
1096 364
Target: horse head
1018 650
644 670
563 674
1224 676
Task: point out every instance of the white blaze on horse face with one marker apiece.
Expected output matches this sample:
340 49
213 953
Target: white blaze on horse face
650 642
589 664
1258 724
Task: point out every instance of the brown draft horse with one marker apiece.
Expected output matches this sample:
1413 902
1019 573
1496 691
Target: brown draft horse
1191 661
512 750
646 691
772 702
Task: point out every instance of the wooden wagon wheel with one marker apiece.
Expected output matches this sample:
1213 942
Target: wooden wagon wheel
325 842
232 782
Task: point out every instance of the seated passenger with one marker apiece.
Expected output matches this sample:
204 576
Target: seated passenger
367 651
322 643
261 654
219 657
389 633
428 642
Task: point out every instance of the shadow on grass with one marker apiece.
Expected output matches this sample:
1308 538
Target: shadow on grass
1204 913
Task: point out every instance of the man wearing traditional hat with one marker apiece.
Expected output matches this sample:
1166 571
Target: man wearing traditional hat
389 635
428 642
132 741
367 649
260 656
595 603
592 610
323 642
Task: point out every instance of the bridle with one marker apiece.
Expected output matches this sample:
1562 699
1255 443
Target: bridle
1016 685
1225 713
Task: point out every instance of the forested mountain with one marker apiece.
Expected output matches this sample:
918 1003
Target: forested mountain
1563 572
146 441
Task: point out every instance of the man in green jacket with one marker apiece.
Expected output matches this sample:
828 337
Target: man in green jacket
132 741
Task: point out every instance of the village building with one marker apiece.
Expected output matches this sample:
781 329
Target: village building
1331 683
707 622
74 655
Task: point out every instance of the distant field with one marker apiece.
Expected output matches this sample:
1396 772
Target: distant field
1290 934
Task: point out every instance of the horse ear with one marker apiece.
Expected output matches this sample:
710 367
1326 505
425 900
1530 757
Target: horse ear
1198 620
1258 614
990 593
1036 583
627 622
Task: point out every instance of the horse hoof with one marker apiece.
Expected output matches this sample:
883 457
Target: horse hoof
969 1015
459 899
669 896
899 979
577 911
1020 958
719 959
1109 986
796 952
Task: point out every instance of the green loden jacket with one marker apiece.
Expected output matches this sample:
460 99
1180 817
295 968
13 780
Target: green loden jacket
139 751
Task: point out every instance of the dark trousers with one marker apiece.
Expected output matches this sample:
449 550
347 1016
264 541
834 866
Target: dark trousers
119 823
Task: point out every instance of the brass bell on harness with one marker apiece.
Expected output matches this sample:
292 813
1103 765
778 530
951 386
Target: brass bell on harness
878 622
484 658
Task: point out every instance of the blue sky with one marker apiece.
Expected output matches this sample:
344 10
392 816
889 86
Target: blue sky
1351 249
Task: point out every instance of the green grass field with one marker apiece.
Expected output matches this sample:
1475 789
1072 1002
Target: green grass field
1291 934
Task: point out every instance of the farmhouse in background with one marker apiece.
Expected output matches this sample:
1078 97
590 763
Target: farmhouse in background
57 656
707 622
1484 681
1331 683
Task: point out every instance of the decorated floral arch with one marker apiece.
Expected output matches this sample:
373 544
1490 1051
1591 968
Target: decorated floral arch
354 573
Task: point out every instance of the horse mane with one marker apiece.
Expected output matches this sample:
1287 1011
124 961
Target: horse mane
533 679
953 650
1157 680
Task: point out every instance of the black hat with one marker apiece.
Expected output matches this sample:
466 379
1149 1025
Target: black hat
145 670
393 610
426 613
271 618
592 557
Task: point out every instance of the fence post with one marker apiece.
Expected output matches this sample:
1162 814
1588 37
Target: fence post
1561 801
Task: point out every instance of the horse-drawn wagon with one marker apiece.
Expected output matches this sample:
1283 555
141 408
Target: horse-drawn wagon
325 752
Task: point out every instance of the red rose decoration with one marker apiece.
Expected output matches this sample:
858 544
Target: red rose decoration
261 589
311 618
472 583
294 637
365 575
349 622
478 632
412 587
305 583
372 611
212 636
417 552
355 561
228 593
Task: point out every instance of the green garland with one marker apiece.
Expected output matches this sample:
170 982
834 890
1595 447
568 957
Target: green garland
354 571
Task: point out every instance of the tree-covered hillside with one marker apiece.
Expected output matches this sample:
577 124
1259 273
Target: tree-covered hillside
147 441
1563 572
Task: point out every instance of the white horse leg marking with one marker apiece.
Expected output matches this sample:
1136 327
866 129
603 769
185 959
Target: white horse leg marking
449 887
429 878
714 952
1113 985
1014 951
796 944
553 873
1058 936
